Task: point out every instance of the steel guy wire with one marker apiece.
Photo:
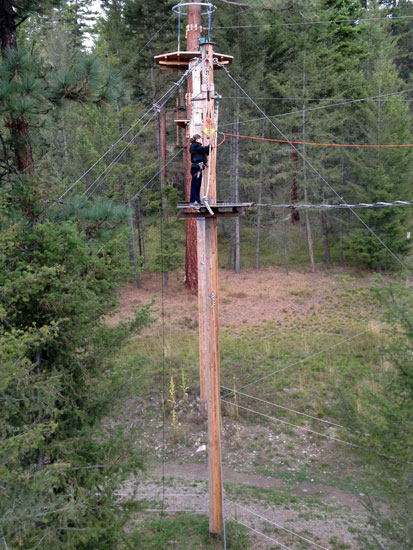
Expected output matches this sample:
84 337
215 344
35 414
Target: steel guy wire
115 160
311 356
148 42
310 164
328 21
344 442
303 428
288 409
155 105
262 534
345 102
278 525
336 206
104 172
298 99
153 177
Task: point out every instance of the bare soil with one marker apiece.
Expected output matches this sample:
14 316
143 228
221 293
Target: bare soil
288 478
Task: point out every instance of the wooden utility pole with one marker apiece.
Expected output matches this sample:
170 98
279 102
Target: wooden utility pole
208 298
193 35
203 120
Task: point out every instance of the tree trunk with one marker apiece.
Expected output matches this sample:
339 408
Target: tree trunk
295 215
324 228
18 126
286 247
258 228
8 35
303 133
132 249
139 226
237 238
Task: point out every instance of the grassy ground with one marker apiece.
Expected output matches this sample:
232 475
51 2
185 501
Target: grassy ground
322 330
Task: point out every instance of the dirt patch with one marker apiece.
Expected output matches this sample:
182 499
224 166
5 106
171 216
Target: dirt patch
253 297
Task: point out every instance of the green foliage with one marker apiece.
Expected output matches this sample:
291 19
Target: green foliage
382 410
188 532
59 467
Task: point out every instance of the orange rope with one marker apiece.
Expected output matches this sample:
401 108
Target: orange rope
312 142
221 142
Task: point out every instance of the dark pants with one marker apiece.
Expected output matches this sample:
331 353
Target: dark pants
196 181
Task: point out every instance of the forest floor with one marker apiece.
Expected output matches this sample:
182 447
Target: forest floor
296 479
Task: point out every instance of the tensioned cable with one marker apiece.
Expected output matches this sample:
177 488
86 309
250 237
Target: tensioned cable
278 525
307 161
115 160
326 22
345 102
153 177
336 206
94 185
262 534
287 409
295 99
308 430
291 141
148 42
155 105
311 356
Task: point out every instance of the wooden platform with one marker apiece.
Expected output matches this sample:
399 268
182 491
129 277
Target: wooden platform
220 210
176 61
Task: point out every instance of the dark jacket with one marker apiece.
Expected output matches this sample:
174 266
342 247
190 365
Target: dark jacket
198 153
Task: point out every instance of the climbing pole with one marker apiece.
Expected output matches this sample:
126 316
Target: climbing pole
202 109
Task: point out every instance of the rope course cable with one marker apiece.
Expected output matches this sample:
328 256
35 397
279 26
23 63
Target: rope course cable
309 430
98 181
278 525
296 99
326 22
336 206
310 164
262 534
304 359
152 178
303 428
287 409
301 111
368 145
155 106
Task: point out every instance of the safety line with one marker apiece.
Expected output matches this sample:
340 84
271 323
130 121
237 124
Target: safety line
299 112
299 206
155 105
287 409
152 178
92 187
262 534
295 99
301 23
315 142
303 428
311 356
278 525
307 161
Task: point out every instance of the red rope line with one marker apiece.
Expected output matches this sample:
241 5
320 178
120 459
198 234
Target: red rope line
221 142
313 142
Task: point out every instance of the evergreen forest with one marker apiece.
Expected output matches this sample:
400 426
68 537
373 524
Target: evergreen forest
103 444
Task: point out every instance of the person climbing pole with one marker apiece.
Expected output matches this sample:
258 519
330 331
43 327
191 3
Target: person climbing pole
198 164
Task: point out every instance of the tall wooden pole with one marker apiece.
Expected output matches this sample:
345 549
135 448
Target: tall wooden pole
193 34
208 299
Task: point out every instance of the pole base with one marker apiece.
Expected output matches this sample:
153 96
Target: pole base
215 536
